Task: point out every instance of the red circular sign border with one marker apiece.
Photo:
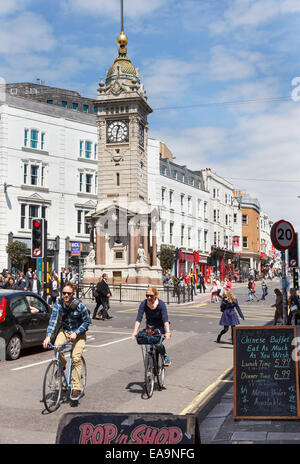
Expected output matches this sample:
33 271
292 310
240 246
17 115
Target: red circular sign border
280 247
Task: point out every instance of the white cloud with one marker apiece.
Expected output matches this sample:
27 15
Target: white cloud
12 6
252 13
25 33
263 147
111 8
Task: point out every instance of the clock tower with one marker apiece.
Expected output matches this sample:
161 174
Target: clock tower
124 243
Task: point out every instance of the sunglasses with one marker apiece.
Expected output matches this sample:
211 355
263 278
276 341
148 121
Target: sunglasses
150 296
67 293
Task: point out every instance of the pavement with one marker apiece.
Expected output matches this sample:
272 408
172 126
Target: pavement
217 423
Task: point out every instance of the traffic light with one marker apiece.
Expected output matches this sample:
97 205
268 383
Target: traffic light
293 254
37 238
295 278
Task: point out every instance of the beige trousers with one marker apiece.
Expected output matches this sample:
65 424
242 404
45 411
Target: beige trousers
78 348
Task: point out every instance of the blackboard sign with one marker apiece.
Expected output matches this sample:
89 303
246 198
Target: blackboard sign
266 383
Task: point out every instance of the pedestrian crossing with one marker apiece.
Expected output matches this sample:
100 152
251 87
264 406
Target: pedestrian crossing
252 311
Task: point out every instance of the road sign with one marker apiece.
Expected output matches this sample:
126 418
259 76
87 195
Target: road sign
283 235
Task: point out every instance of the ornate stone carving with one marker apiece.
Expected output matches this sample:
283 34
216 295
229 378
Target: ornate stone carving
141 255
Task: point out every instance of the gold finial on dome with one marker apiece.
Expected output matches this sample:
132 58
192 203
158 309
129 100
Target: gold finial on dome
122 41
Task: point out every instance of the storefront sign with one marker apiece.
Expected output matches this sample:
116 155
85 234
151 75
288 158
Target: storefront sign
75 248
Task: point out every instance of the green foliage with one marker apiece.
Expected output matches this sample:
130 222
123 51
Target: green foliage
166 257
17 253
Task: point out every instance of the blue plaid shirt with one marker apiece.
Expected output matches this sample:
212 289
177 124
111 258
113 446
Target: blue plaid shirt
77 321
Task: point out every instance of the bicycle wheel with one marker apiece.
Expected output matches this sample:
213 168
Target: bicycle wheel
149 375
52 386
83 375
160 371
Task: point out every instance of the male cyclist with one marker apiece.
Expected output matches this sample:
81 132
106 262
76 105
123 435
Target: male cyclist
75 320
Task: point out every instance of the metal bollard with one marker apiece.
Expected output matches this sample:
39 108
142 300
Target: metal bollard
2 350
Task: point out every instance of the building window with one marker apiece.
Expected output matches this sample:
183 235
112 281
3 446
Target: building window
162 232
118 179
25 137
236 241
95 151
95 110
171 194
163 170
171 232
205 239
29 212
235 218
175 174
215 238
81 148
205 210
42 140
189 205
182 236
87 182
182 201
88 149
215 215
189 237
199 208
85 108
245 242
64 104
74 106
82 223
245 219
34 170
34 137
163 196
50 102
34 174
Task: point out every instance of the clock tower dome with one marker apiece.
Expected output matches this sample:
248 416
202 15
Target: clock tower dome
125 224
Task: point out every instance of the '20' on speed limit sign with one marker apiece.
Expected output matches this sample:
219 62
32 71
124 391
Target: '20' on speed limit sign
283 235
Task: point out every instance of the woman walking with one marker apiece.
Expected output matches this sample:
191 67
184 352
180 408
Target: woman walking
278 315
229 306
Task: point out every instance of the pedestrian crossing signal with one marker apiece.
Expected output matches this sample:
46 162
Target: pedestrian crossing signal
37 238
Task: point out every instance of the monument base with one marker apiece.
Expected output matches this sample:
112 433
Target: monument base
134 274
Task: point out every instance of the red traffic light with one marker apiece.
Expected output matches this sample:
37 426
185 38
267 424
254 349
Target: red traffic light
36 224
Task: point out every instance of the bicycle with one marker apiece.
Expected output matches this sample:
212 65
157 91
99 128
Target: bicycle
56 381
153 362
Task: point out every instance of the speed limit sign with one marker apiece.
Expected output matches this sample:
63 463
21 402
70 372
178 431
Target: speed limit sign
283 235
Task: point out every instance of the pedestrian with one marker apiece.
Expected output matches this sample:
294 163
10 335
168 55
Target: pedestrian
229 306
75 321
104 293
202 282
294 306
156 314
54 289
214 292
278 315
264 288
2 283
35 285
219 289
97 296
22 282
10 284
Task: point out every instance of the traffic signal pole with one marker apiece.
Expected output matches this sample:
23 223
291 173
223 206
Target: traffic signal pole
284 294
45 273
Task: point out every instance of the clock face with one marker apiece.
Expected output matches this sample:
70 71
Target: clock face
141 134
117 131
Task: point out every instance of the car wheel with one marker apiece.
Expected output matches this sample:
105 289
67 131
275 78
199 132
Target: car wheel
13 349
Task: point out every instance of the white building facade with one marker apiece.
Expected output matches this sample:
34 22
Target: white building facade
48 169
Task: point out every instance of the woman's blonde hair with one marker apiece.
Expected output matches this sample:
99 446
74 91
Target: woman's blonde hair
154 290
230 296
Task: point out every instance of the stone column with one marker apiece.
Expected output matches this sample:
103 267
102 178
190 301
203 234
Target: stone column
132 256
154 250
100 247
144 230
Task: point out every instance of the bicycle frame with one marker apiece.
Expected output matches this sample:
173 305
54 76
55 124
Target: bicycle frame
58 351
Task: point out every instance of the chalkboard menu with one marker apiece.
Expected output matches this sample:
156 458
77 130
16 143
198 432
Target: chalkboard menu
266 383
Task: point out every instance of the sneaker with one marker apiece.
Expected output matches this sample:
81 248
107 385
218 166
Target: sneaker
75 395
167 361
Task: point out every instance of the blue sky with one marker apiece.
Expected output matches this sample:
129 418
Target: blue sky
218 74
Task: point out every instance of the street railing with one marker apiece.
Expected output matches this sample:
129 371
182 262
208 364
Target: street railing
136 293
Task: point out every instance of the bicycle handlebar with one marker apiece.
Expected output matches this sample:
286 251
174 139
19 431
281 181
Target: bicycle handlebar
59 346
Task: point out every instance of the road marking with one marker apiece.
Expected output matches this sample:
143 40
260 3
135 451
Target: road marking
110 343
206 394
127 310
109 332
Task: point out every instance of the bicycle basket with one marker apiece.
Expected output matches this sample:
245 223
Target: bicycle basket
148 337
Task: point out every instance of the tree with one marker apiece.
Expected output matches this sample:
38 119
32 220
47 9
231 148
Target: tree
17 253
166 257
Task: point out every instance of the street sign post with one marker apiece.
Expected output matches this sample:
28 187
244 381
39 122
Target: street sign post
283 237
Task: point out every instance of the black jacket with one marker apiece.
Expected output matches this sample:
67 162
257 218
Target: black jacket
103 289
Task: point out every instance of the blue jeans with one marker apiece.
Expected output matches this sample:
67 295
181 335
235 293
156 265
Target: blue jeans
250 295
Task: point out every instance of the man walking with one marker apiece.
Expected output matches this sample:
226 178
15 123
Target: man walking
104 294
75 320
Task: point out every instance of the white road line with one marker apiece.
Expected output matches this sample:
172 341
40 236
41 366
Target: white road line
109 332
110 343
91 346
